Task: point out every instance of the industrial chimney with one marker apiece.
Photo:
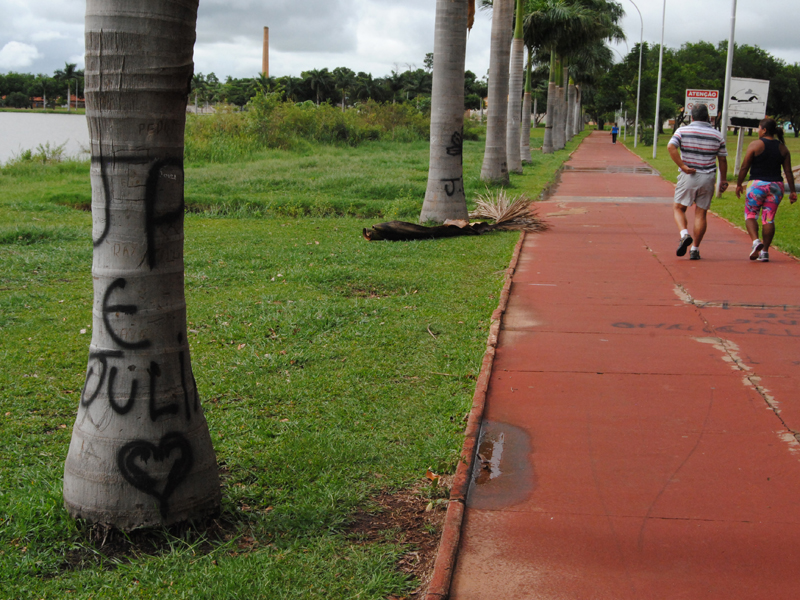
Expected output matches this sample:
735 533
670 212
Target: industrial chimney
265 54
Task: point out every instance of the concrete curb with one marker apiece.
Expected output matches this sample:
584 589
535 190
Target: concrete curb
439 588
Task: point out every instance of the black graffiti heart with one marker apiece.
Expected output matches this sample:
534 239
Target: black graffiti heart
140 452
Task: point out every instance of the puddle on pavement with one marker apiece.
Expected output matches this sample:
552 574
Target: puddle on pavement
503 474
489 454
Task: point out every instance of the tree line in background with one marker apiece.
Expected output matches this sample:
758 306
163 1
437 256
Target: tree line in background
341 86
18 90
698 65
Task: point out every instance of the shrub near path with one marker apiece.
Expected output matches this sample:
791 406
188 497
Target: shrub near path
332 371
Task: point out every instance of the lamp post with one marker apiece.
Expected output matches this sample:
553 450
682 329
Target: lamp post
639 80
658 90
727 97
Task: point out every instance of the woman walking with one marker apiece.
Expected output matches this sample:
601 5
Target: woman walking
764 159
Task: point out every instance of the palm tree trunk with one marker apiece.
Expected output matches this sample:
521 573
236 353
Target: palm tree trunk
525 138
525 134
571 111
141 452
69 98
495 165
513 121
548 145
535 114
578 122
561 110
444 196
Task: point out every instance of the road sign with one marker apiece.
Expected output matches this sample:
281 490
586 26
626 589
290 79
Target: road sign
708 97
748 98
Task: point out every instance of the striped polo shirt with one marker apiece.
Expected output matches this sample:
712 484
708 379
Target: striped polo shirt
700 145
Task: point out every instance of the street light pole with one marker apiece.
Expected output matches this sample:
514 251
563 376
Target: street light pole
658 90
639 80
727 97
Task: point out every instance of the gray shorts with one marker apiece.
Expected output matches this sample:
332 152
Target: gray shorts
695 189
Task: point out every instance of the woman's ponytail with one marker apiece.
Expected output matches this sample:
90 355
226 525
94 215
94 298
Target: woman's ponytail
771 128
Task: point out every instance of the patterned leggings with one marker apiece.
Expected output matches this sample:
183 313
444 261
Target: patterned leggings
764 196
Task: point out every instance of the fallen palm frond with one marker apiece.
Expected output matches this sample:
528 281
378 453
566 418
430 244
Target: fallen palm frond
398 231
508 213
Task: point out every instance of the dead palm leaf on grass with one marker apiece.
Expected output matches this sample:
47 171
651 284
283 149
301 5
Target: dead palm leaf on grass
508 212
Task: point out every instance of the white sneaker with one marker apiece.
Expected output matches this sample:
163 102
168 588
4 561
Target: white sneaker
758 245
764 256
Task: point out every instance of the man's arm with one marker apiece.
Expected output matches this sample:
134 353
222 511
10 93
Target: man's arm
675 155
723 173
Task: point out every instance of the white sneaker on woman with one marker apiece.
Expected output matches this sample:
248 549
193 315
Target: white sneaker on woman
758 245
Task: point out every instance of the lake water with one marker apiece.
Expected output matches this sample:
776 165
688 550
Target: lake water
25 131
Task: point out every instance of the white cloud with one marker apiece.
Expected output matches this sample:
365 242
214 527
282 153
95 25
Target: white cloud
16 55
45 36
369 35
78 59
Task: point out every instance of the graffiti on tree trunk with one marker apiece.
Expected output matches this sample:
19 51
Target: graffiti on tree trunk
155 174
138 462
157 469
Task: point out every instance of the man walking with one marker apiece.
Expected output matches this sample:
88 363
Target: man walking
696 149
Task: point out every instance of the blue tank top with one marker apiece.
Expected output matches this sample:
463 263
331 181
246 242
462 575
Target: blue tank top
767 165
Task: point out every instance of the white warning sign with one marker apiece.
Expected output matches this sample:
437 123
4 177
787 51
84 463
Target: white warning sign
708 97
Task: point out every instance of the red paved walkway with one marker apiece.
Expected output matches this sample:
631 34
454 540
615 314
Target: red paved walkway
638 439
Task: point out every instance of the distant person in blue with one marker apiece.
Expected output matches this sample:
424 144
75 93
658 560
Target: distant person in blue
614 133
764 159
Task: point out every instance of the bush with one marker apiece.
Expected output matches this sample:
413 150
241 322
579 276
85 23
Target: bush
473 130
647 137
45 154
268 123
472 101
18 100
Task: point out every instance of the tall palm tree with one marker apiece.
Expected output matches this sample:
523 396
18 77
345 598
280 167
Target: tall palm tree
69 74
344 79
546 27
394 83
495 161
563 27
525 132
515 76
559 138
366 86
550 117
291 87
319 80
265 83
444 195
141 452
590 63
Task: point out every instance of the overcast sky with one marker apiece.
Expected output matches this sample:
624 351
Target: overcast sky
376 36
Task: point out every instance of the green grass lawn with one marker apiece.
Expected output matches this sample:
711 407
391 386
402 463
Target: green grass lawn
331 370
787 230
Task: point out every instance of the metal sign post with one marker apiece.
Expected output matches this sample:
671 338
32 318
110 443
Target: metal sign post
726 97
